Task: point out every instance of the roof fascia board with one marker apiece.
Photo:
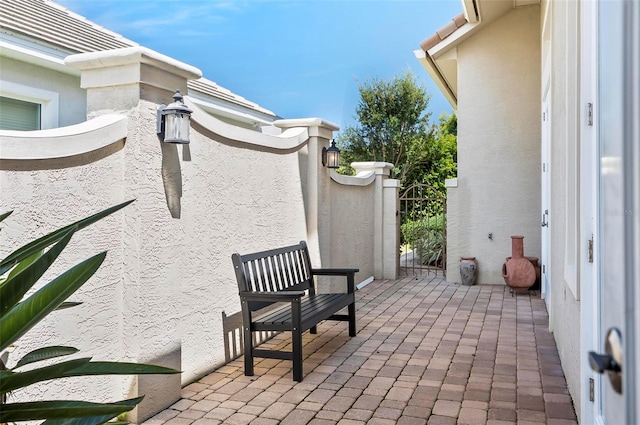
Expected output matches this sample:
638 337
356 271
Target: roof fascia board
434 72
35 54
470 11
429 59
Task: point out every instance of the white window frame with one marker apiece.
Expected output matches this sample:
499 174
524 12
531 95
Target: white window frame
48 101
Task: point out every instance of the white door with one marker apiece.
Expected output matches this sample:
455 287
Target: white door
619 212
590 338
545 190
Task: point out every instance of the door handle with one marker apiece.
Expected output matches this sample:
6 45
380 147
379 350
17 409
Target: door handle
544 220
611 361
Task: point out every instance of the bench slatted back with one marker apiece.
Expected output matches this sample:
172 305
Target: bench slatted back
280 269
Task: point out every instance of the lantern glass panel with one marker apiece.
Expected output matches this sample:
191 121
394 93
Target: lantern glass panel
176 128
333 158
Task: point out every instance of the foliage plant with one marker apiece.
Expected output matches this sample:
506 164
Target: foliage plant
426 236
393 125
19 272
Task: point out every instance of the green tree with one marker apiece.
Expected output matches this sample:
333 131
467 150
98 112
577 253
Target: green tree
439 160
393 125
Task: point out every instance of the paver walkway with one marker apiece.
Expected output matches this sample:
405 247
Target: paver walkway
427 352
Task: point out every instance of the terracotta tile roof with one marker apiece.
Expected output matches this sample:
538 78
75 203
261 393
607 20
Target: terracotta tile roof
444 32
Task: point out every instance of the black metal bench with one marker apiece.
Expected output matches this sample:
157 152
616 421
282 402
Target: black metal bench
284 275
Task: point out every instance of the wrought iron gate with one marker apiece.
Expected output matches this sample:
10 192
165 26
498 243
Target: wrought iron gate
423 242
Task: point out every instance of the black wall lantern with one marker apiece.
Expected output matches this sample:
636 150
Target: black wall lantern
331 156
174 121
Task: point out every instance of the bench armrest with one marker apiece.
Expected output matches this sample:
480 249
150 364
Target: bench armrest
283 296
333 271
348 272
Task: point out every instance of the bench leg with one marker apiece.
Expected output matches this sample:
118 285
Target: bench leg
248 352
296 337
313 330
352 319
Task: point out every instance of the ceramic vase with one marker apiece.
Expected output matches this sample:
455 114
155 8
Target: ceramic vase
517 270
468 270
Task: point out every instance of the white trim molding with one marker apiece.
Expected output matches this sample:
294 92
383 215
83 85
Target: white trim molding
290 139
48 101
63 142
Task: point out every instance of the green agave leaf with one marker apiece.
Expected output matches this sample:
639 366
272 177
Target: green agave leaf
86 421
77 367
45 353
18 283
51 238
5 215
29 312
25 263
95 420
119 368
65 409
67 304
24 379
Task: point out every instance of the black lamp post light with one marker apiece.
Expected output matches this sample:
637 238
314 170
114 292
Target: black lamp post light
174 121
331 156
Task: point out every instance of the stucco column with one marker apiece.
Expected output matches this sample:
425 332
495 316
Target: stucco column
134 81
316 185
390 226
380 239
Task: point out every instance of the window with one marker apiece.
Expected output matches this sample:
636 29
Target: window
27 108
19 115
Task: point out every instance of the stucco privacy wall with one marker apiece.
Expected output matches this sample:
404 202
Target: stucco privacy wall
498 185
168 278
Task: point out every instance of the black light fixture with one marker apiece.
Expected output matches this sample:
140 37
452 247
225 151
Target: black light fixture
174 121
331 156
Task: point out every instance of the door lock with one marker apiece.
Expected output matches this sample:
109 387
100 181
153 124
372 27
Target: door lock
612 359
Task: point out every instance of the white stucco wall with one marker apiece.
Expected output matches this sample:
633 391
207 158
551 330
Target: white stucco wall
49 194
498 185
168 277
352 228
72 100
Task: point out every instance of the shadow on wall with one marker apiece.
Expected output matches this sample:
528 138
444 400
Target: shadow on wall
160 391
172 175
234 337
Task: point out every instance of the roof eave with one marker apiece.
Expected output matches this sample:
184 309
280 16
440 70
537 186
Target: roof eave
436 75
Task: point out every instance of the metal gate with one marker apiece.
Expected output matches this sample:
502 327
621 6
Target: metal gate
423 242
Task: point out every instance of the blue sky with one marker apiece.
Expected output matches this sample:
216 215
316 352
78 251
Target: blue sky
297 58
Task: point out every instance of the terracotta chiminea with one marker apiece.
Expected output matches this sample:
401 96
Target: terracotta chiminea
517 270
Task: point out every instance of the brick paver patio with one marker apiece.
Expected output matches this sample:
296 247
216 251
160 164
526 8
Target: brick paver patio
427 352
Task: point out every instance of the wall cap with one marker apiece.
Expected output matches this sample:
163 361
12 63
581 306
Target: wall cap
380 168
293 138
129 56
63 142
306 122
363 178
